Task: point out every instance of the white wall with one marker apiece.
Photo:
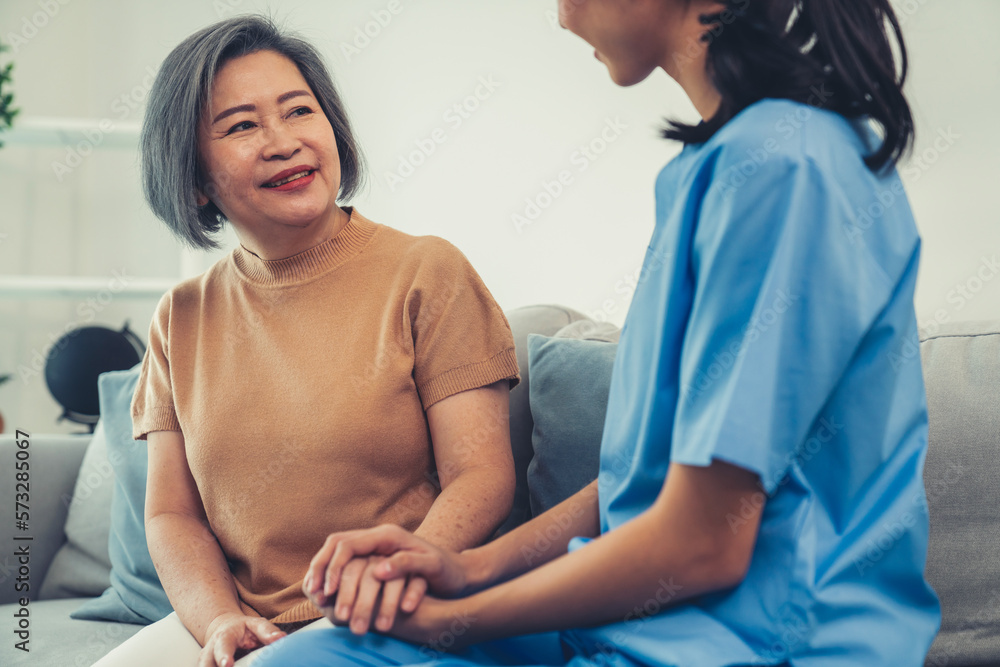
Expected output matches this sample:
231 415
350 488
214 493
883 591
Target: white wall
93 59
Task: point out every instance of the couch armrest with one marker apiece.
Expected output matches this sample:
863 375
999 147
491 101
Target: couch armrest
54 462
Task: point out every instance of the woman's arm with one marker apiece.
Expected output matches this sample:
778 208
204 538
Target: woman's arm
189 560
685 545
470 433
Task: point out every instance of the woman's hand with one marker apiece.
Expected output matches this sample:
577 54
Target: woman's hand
352 563
233 631
358 597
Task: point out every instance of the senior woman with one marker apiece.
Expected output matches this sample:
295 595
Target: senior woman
330 373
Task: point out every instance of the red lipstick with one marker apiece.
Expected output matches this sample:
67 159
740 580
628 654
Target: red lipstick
291 179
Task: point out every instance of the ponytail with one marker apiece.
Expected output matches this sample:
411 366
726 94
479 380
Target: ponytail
831 54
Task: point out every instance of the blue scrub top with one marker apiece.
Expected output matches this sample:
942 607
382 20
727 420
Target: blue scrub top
773 328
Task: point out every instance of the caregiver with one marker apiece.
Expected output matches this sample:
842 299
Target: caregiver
328 374
765 424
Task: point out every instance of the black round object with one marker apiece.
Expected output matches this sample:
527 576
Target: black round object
75 361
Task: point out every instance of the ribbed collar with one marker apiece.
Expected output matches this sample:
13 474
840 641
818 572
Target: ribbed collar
310 263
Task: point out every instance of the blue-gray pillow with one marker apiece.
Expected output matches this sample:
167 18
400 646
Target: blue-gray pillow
135 594
570 379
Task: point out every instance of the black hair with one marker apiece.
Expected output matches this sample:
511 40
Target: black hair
831 54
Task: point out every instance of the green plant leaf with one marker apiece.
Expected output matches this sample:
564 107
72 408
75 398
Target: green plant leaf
7 110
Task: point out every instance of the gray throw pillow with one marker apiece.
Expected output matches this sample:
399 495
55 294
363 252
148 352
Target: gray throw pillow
546 320
570 379
81 567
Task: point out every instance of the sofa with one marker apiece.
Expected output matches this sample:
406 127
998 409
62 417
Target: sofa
555 433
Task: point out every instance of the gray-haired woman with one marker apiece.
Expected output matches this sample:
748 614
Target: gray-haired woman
329 374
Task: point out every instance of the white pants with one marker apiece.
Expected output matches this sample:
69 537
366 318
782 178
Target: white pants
168 643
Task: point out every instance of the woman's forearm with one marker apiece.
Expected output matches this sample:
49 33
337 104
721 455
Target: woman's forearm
536 542
468 510
192 570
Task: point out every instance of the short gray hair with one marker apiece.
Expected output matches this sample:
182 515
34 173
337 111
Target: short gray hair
168 143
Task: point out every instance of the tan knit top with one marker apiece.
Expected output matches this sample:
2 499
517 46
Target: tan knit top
300 386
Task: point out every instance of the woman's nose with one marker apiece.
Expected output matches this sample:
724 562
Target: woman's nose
280 142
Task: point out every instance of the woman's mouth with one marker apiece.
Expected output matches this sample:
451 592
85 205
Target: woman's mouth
293 181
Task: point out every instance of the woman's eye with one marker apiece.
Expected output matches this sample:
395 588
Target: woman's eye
245 125
301 111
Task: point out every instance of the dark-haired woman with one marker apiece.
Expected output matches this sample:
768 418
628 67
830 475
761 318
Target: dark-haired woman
760 499
330 373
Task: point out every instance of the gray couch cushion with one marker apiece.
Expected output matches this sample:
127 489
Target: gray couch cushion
962 373
135 594
81 568
569 398
58 641
545 320
54 466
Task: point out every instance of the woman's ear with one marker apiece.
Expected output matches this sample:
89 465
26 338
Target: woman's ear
200 198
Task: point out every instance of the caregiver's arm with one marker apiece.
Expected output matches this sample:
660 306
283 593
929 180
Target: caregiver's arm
189 560
685 545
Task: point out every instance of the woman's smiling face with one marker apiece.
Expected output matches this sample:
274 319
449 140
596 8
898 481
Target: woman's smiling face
262 126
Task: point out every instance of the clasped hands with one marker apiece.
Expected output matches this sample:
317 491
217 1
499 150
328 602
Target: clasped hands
385 574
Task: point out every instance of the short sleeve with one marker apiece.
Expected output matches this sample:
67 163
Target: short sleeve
782 301
152 403
461 338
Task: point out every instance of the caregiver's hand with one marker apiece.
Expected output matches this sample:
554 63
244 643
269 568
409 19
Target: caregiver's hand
360 595
232 631
352 563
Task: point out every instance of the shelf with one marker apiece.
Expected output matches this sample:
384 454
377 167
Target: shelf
63 287
97 133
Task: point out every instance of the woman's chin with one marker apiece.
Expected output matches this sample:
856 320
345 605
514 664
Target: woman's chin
626 77
305 216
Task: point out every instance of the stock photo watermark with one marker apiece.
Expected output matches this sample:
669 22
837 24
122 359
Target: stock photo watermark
627 286
759 324
894 530
666 594
555 533
365 34
696 47
822 434
87 311
454 117
786 129
551 189
122 107
959 297
448 638
866 217
466 453
31 25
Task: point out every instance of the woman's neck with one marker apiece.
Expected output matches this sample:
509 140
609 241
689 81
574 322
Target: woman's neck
279 242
